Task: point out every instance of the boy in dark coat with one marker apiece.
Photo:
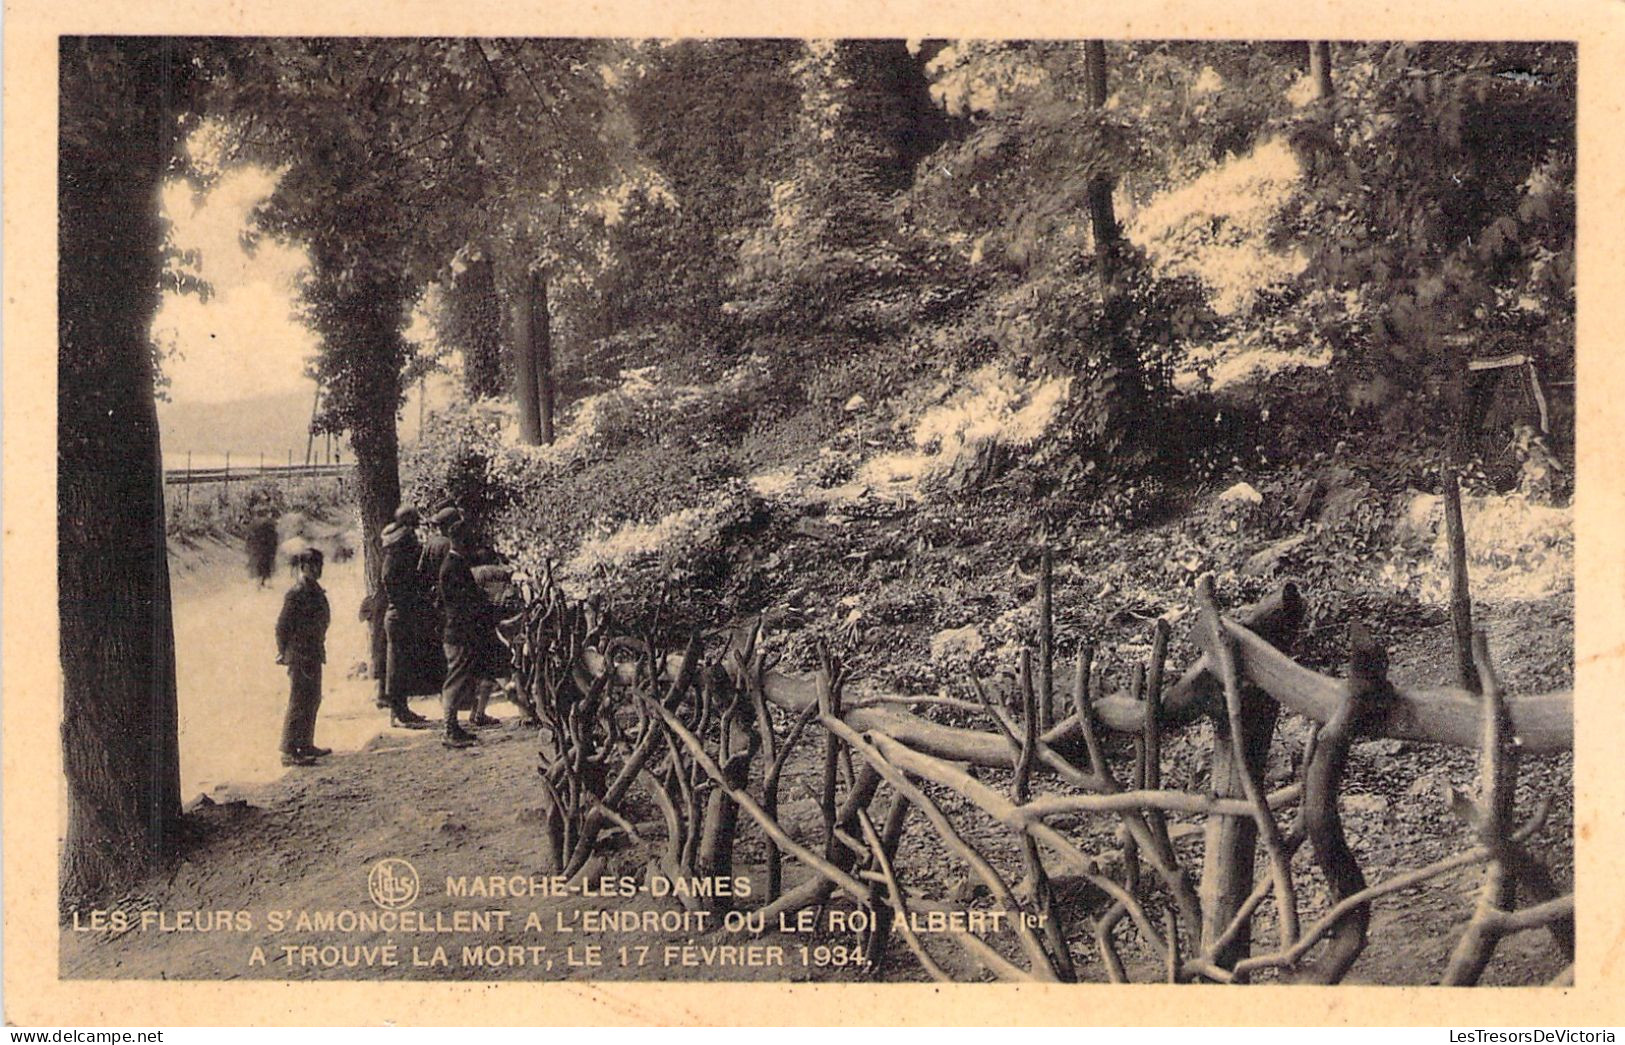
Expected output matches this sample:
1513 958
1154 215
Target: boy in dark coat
301 644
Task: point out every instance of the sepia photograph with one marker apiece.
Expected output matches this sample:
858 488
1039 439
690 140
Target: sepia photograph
790 510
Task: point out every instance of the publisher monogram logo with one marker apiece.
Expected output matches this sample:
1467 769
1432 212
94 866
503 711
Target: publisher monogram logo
393 883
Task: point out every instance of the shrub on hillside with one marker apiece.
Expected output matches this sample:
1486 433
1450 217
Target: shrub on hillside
553 510
225 511
458 457
638 489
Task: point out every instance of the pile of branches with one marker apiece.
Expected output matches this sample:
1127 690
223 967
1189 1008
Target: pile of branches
688 728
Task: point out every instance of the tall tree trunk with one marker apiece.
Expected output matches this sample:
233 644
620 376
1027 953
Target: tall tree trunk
119 739
1123 379
482 329
376 444
1102 222
520 311
527 297
542 339
1320 68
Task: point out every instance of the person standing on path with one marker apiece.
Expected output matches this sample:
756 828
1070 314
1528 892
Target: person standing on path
408 623
466 614
435 548
301 644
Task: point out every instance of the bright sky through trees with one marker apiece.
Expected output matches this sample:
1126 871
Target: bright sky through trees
245 336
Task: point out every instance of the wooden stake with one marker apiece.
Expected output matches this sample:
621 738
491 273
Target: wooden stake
1461 606
1229 846
829 700
1046 641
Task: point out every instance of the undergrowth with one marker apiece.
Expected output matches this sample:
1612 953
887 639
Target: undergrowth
221 511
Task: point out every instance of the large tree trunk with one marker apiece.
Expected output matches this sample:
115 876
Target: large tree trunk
360 321
482 328
119 741
1320 68
532 356
376 443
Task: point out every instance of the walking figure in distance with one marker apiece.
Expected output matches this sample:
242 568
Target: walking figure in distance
301 644
261 544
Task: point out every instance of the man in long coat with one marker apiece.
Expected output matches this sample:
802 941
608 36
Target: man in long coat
412 667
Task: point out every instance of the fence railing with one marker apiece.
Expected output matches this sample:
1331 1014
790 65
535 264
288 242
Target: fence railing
186 476
686 728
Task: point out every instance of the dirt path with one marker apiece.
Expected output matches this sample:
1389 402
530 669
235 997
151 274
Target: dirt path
307 842
233 695
279 840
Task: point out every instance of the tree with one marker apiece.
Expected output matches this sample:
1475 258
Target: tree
552 147
533 355
1102 222
396 156
711 119
1437 211
119 126
1027 197
833 255
364 131
471 320
1320 68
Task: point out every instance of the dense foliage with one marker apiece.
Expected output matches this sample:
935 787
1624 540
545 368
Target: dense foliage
862 218
868 221
1439 208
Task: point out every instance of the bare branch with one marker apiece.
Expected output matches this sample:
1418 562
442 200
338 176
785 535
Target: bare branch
898 902
1291 956
851 886
1042 964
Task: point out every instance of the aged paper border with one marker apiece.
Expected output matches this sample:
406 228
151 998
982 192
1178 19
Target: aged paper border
32 760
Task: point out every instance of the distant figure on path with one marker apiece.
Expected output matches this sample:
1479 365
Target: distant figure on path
301 644
412 665
261 544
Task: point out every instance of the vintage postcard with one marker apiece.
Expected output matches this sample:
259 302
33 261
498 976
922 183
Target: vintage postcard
951 514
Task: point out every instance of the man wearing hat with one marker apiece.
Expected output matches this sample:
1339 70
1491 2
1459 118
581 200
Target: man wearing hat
410 669
436 547
466 614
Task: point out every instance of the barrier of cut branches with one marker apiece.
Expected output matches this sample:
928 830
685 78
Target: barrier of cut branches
707 737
